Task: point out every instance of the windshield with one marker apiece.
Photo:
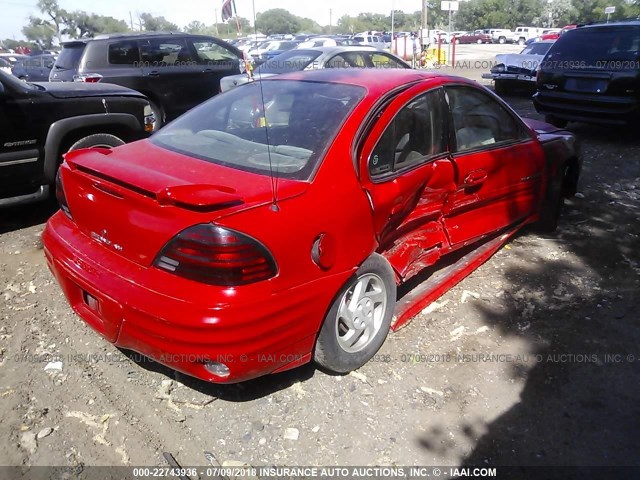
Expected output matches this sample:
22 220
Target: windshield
284 126
291 61
69 57
536 49
608 48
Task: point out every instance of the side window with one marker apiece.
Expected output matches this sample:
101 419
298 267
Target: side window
417 133
380 60
124 53
209 51
160 52
33 63
479 120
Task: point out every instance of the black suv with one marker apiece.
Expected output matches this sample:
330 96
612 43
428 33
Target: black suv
175 71
592 74
41 121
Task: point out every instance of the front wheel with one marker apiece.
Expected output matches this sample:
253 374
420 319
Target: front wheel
500 87
502 40
359 318
555 121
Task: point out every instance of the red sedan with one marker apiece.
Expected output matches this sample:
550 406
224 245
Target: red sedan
270 226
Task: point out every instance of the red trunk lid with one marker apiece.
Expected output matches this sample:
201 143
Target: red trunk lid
133 199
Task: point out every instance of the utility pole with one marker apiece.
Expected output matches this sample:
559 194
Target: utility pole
215 11
131 20
425 14
330 20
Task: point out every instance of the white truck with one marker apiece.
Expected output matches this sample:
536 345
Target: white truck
520 35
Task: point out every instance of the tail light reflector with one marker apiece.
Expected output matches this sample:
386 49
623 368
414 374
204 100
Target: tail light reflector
216 256
61 197
88 78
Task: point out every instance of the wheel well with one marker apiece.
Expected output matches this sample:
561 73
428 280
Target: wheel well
73 136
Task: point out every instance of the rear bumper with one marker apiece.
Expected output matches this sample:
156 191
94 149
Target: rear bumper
587 108
516 77
252 335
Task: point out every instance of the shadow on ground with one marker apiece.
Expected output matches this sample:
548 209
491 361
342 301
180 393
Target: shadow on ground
579 405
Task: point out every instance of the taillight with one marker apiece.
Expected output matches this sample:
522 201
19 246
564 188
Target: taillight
61 197
88 78
216 256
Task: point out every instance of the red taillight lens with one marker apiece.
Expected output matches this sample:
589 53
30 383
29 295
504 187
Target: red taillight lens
61 197
88 78
216 256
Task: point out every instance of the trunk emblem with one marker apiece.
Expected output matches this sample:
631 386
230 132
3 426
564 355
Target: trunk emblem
103 238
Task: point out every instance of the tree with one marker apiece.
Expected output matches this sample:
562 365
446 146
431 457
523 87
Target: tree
149 23
80 24
44 31
40 32
277 20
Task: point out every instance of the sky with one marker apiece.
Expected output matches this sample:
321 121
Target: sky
14 13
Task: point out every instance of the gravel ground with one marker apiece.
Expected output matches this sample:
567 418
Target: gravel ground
531 360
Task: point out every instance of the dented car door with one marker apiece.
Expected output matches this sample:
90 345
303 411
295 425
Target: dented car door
406 170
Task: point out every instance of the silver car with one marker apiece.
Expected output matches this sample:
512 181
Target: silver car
316 58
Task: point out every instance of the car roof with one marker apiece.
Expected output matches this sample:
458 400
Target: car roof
622 23
135 35
369 78
340 48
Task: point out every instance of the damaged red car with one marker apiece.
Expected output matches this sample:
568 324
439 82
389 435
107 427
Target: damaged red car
271 226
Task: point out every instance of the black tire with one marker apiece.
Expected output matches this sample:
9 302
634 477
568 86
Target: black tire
158 113
558 122
479 41
521 41
552 208
341 349
97 140
500 87
502 40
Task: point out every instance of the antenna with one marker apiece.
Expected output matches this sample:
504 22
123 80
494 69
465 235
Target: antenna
274 178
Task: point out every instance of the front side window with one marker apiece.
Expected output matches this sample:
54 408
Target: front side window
161 52
208 51
415 135
282 127
479 120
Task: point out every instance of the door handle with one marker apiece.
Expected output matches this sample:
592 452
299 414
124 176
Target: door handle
475 178
153 73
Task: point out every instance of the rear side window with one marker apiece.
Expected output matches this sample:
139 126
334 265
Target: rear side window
291 61
70 56
417 133
124 53
610 48
480 121
33 63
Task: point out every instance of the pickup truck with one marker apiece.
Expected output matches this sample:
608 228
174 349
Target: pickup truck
39 122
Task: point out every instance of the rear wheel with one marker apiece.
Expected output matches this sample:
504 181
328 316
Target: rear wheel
479 41
502 40
359 318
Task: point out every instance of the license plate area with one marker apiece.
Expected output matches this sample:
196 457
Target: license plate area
586 85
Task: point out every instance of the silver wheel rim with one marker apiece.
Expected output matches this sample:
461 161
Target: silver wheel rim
361 313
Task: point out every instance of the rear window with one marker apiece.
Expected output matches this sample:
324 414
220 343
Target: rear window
537 49
282 127
609 48
70 56
291 61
